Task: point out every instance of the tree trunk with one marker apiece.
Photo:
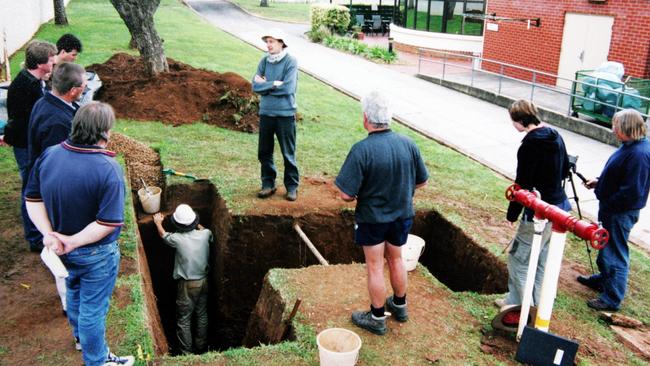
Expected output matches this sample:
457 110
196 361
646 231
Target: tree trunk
133 44
138 17
60 18
264 3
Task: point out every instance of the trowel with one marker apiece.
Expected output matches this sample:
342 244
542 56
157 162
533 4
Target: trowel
170 171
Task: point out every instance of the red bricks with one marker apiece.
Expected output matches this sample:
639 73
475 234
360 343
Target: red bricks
539 48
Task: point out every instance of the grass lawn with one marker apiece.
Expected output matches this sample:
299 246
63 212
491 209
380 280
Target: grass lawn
467 193
292 12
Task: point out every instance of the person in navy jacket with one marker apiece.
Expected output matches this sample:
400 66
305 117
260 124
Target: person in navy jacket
51 119
622 191
50 124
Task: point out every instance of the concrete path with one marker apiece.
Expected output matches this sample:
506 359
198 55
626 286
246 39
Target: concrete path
476 128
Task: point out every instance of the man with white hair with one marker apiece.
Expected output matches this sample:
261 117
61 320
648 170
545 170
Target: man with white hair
382 172
622 190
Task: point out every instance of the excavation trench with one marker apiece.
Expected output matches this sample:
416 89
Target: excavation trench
245 248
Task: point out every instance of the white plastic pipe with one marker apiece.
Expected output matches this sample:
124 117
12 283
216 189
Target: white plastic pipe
535 249
549 284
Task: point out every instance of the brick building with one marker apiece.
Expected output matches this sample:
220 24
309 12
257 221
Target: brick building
573 35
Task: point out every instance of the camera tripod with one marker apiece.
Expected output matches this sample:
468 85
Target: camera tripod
573 171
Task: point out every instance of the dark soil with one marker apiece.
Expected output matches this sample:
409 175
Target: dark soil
183 95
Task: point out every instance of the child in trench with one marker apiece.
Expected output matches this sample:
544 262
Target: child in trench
192 244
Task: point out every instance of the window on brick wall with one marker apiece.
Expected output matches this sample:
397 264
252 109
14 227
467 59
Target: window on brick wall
441 16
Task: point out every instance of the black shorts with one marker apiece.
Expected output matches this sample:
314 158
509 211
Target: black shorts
395 232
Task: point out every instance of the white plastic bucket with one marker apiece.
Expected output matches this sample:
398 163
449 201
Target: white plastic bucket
338 347
150 202
411 251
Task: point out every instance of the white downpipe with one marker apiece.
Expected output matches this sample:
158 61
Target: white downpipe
549 284
535 249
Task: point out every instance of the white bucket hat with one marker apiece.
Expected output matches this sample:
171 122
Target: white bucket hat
184 214
275 33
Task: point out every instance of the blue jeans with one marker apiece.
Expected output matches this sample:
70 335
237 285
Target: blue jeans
285 129
92 274
614 260
519 257
32 235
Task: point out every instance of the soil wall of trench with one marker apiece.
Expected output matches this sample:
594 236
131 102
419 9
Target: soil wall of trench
245 248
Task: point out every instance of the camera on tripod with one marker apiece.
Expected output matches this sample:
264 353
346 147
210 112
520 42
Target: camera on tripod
573 169
573 160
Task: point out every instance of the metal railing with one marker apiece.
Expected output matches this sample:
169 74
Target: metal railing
552 97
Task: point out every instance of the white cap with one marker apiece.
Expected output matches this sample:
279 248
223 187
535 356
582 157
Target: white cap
184 214
275 33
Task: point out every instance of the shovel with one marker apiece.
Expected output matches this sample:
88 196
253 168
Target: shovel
170 171
146 189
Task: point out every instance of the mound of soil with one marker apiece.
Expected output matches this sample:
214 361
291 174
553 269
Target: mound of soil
142 161
183 95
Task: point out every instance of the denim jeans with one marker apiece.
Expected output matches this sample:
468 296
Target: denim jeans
32 235
192 299
92 274
519 257
285 129
614 260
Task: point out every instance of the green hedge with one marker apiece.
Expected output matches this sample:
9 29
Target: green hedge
335 17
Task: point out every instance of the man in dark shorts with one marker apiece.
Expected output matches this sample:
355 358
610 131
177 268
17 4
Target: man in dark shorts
382 172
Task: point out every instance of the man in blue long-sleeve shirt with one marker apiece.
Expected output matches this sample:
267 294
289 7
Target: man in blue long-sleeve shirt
622 190
275 81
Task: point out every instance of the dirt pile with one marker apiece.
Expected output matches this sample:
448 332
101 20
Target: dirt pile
183 95
142 161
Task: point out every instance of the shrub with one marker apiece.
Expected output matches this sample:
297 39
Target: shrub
319 34
359 48
335 17
382 54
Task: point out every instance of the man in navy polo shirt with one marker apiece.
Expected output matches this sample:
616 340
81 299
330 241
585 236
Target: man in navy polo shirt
75 197
382 172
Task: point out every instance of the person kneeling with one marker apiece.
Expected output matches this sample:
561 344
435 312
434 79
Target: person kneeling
192 244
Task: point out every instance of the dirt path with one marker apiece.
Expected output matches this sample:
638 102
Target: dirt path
33 330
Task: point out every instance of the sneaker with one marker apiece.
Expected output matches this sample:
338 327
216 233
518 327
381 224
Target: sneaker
292 195
113 360
398 311
77 344
600 305
367 321
266 192
590 282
